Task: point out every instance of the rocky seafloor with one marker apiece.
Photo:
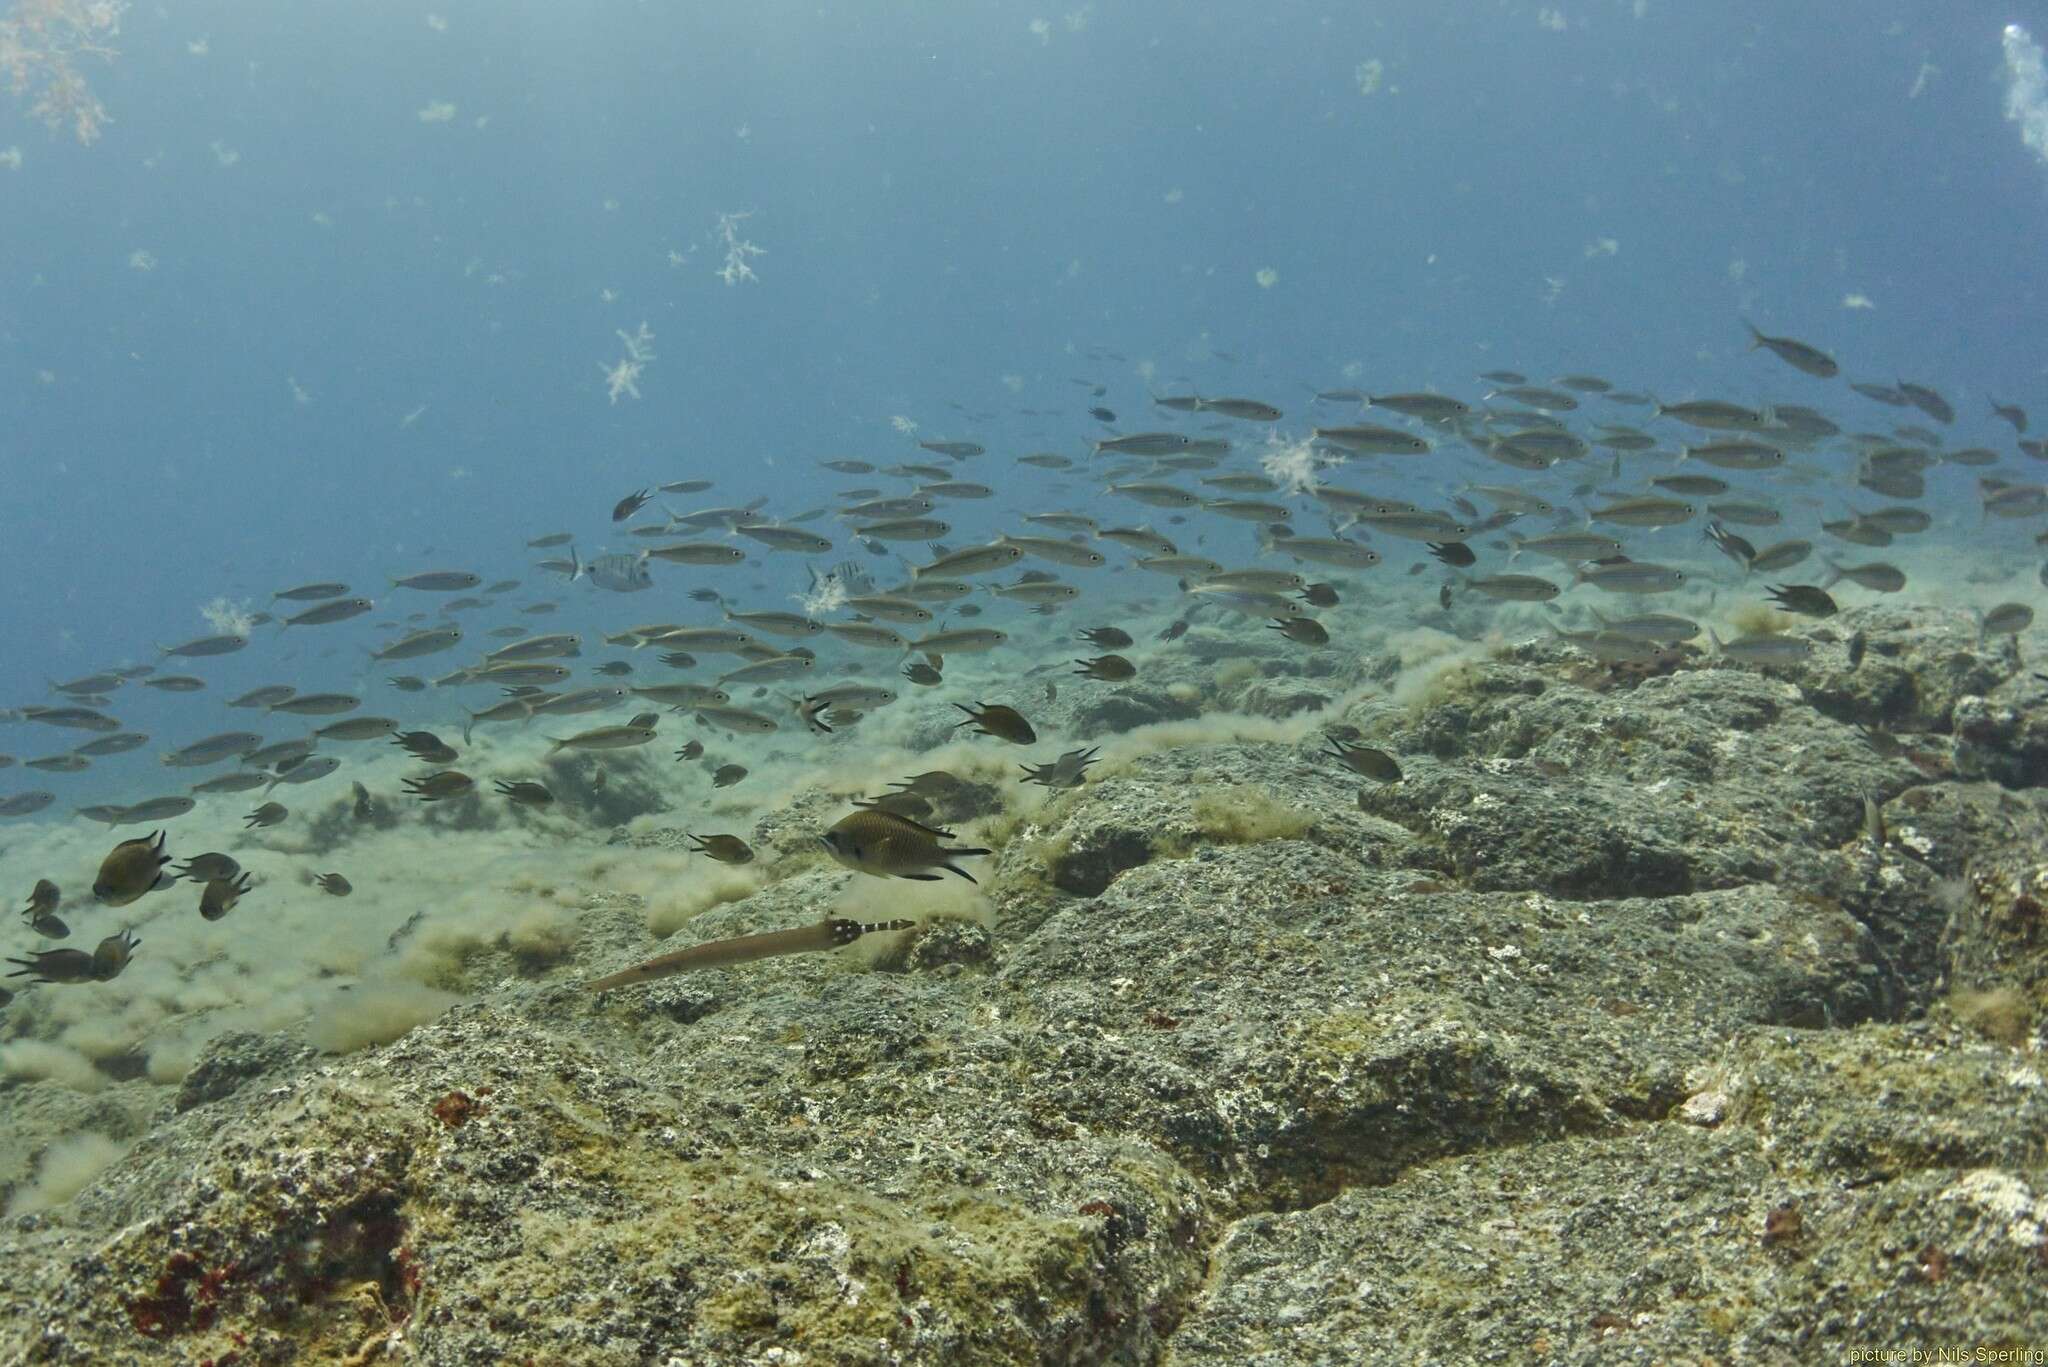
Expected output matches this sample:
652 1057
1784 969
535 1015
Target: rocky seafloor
1607 1034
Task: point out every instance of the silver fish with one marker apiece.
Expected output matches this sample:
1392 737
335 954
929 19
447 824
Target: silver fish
278 756
1781 556
683 695
1327 550
2007 619
316 704
769 670
1143 540
1796 354
419 643
311 593
77 718
338 610
214 749
559 645
240 781
308 770
1876 576
710 640
737 720
1567 546
1746 514
889 609
358 728
157 809
119 743
1520 588
578 701
855 695
870 635
207 645
905 529
1610 647
1055 550
1156 495
972 560
961 641
1631 576
517 673
439 581
512 709
1367 439
1247 410
698 553
607 737
1763 650
1645 512
793 624
1427 407
1143 444
782 538
618 573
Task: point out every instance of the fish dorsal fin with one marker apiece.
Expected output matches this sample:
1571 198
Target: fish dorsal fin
933 831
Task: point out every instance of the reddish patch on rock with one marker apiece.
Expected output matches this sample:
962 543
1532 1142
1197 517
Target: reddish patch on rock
1783 1226
455 1109
186 1297
1933 1263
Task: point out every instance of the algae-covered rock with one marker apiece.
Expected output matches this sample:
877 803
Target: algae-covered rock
1814 1218
1614 1026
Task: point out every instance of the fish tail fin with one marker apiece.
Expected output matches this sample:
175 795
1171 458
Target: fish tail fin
1835 575
1715 637
955 868
1756 337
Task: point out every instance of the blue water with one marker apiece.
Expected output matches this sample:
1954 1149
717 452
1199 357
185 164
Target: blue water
944 198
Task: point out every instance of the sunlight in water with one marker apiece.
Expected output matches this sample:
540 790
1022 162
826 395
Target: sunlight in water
41 42
2026 88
